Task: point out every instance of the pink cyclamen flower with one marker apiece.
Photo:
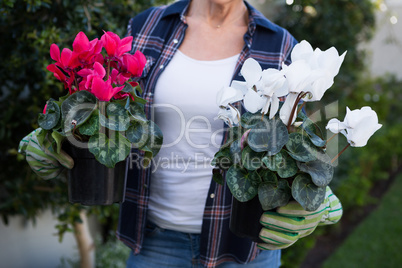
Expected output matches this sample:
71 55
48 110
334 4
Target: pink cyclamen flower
66 60
57 73
44 109
134 64
121 95
85 51
88 74
116 47
103 90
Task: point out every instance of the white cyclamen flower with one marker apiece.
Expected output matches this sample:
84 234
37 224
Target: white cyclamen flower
273 85
286 110
262 87
252 72
224 98
229 115
311 70
228 95
358 126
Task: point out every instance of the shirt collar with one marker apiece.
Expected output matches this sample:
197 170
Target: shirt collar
177 8
256 17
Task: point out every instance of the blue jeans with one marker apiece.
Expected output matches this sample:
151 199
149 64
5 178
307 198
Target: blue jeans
166 248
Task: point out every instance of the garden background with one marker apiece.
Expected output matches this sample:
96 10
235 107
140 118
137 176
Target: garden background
37 221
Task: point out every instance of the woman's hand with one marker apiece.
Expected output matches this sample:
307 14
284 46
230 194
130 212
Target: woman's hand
46 162
291 222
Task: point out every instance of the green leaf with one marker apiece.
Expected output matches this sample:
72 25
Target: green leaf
156 138
320 170
91 126
313 132
109 151
304 191
301 148
147 156
50 119
251 160
137 111
151 134
137 88
218 178
272 161
137 133
287 167
248 120
274 195
117 117
62 99
282 163
268 135
222 159
268 176
78 108
234 133
242 184
235 152
139 100
125 102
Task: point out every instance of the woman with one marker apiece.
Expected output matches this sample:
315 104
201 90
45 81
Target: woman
174 214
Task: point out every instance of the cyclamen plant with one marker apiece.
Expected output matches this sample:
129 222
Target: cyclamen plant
102 109
274 151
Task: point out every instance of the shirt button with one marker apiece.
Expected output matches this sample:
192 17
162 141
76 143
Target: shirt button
212 195
161 66
175 41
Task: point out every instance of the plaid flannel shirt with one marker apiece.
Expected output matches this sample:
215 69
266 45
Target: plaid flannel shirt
158 33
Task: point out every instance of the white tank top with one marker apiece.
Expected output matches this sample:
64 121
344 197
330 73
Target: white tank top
185 109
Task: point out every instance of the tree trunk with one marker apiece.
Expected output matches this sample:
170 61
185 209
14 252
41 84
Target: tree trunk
85 243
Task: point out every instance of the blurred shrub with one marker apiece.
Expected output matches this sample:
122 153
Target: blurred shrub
359 168
110 254
344 25
27 29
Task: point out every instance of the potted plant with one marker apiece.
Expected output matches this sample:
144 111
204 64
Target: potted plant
100 119
274 152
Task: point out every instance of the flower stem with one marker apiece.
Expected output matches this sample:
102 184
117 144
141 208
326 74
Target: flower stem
301 107
108 70
299 97
102 111
237 114
336 157
333 136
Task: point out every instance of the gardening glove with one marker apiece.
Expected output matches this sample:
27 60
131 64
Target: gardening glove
291 222
41 156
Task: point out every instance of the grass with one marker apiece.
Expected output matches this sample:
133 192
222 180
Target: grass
377 241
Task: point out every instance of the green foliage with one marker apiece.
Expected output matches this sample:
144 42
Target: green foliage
327 23
344 24
360 168
111 254
27 29
376 241
268 150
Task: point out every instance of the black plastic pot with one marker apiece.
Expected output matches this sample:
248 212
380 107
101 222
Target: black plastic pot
91 183
245 219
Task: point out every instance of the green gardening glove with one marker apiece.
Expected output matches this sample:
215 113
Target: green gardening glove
41 156
291 222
